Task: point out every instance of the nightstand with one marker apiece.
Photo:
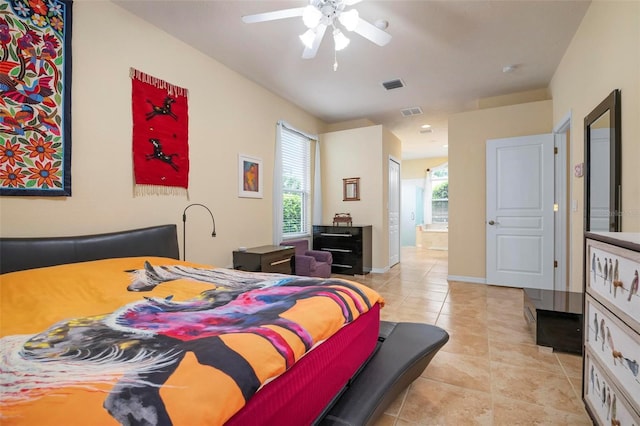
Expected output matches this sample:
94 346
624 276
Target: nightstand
555 318
264 259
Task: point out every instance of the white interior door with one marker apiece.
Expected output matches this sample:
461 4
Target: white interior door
519 211
408 212
394 212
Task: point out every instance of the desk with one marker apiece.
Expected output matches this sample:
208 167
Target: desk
264 259
555 317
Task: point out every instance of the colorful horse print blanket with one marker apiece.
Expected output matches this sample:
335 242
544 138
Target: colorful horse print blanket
143 341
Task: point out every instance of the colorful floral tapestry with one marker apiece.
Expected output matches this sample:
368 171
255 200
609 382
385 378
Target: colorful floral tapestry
160 136
35 97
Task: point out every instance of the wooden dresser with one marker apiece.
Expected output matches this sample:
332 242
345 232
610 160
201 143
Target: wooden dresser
349 245
611 380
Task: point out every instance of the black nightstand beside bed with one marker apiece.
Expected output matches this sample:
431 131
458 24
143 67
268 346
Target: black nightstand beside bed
555 318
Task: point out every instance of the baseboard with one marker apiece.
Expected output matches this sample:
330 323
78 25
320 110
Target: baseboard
380 270
474 280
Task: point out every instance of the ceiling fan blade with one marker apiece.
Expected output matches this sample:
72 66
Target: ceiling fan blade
272 16
372 33
311 52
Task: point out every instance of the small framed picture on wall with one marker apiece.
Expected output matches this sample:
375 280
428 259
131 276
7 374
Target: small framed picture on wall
249 176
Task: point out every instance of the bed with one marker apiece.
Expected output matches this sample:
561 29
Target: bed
115 328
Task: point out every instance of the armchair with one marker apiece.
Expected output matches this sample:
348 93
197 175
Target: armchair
310 263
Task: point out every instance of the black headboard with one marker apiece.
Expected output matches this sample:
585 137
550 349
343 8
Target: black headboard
17 254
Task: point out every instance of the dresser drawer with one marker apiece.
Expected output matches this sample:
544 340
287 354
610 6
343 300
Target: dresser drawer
279 262
607 405
337 242
616 348
612 278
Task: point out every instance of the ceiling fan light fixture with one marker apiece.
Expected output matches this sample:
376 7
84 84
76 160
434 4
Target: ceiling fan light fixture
349 19
311 16
307 38
341 41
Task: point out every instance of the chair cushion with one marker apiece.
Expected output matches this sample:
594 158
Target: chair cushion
320 256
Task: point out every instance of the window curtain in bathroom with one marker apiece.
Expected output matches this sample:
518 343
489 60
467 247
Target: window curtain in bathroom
428 192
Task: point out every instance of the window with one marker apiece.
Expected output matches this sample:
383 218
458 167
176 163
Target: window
296 183
440 195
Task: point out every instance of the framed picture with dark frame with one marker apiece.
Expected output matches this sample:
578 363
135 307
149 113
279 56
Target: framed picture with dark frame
250 181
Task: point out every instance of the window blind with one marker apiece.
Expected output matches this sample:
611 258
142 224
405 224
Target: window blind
296 183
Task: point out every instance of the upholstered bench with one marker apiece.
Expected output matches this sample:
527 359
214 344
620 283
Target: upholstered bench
404 351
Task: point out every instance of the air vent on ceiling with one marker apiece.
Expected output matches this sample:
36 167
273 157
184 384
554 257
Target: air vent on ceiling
407 112
393 84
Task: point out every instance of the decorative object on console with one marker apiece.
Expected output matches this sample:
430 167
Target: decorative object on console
309 263
319 15
35 91
184 227
345 218
160 136
351 189
249 176
611 383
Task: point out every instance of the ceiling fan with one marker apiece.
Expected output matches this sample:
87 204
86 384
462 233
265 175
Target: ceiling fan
318 15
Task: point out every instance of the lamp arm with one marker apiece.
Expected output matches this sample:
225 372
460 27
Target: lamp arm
184 227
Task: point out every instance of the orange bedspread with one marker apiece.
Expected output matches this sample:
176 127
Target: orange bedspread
166 342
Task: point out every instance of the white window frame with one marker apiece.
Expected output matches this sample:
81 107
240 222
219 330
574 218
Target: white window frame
435 181
289 163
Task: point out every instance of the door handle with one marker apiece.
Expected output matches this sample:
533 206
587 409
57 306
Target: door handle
491 222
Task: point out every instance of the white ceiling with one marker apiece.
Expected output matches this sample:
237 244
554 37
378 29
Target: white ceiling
448 53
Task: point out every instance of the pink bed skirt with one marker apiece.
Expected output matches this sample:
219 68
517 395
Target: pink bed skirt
301 394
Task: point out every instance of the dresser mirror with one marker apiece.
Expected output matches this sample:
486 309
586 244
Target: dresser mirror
602 185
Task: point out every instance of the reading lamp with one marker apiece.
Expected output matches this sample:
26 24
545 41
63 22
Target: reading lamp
184 227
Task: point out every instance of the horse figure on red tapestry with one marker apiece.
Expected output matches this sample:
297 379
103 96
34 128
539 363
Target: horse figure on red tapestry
158 154
164 109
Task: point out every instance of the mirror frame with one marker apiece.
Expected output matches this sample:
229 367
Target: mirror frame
610 104
346 183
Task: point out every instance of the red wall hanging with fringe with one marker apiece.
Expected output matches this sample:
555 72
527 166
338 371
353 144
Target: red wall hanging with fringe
160 136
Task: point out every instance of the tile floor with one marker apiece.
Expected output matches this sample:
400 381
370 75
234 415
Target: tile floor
490 372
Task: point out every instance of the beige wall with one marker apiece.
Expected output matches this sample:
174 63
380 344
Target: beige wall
468 133
347 125
415 169
604 55
363 153
514 98
228 115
